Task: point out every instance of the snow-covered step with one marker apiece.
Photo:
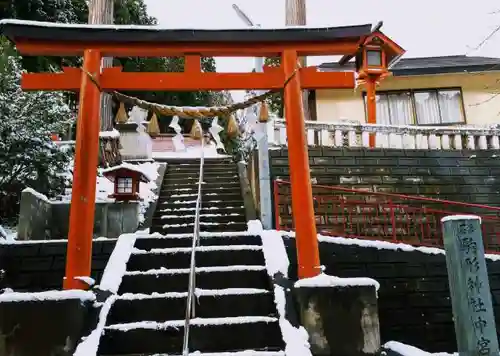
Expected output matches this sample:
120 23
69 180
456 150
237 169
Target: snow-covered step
204 226
205 218
181 185
207 169
186 215
206 335
210 201
206 197
209 304
235 353
148 243
191 177
207 190
206 256
221 208
164 280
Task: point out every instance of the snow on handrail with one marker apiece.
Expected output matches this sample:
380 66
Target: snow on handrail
355 134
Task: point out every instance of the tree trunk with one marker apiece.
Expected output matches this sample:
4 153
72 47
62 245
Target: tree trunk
102 12
296 15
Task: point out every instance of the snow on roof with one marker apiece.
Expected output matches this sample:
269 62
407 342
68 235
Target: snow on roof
47 31
163 27
131 167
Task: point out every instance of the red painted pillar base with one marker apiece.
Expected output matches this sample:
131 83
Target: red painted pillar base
302 200
81 220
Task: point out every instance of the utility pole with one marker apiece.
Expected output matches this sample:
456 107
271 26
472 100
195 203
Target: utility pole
266 206
296 15
102 12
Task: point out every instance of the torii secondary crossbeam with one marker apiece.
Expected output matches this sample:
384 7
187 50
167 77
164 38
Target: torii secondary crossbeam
96 42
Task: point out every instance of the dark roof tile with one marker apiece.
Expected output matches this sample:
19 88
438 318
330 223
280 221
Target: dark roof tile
434 65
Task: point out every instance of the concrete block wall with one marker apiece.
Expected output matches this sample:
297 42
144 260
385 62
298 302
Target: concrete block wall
414 299
40 266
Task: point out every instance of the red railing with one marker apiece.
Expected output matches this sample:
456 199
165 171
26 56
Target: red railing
382 216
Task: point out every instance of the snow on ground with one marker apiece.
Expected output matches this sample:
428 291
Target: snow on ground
324 280
8 233
53 295
407 350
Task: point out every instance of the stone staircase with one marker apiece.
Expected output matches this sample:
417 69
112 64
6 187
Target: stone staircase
222 201
235 309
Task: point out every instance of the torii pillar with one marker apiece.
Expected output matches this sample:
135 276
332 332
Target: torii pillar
302 203
82 211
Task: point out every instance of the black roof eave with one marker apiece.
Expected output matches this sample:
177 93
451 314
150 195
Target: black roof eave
127 34
405 72
446 70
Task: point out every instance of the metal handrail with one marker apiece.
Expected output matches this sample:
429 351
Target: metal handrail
190 307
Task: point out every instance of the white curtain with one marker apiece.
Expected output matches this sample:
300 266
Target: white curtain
383 111
427 107
450 104
401 109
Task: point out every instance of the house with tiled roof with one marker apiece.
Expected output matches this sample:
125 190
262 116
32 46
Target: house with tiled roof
449 90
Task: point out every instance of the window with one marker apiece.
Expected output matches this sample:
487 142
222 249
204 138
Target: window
420 107
374 58
125 185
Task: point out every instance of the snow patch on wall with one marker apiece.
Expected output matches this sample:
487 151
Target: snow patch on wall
324 280
90 344
117 264
53 295
277 262
382 245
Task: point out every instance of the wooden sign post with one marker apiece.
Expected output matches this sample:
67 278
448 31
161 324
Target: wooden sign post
475 327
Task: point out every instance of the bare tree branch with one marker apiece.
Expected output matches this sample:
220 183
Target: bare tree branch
486 39
493 96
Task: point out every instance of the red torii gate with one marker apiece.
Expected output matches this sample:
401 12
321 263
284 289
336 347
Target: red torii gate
96 42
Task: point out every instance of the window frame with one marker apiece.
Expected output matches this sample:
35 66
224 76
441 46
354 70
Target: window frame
414 110
128 182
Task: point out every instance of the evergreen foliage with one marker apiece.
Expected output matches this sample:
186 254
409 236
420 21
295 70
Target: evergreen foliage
28 157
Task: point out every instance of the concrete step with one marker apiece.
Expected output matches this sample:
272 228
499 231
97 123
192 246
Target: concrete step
207 197
206 256
186 219
206 169
209 304
188 177
214 189
187 228
164 280
206 335
194 185
149 243
191 161
207 205
204 210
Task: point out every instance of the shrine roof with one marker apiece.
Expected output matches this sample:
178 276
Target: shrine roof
48 31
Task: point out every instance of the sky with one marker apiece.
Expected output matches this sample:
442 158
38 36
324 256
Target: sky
422 27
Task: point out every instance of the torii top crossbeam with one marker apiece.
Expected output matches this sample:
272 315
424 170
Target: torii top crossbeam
372 49
39 38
